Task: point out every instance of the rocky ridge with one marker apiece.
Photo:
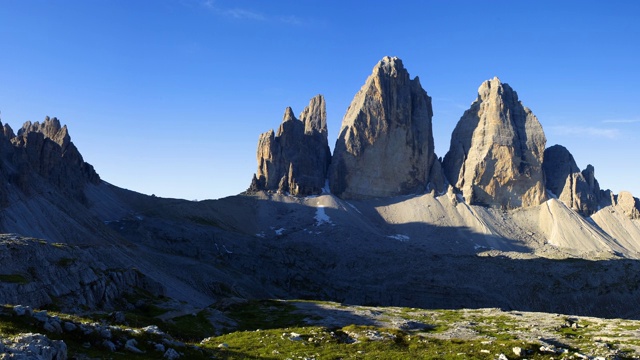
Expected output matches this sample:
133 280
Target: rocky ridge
496 152
579 190
44 152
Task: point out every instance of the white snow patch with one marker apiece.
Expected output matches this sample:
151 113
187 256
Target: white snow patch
322 217
280 231
399 237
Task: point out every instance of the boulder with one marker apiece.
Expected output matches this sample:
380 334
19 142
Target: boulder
295 160
496 152
579 190
385 146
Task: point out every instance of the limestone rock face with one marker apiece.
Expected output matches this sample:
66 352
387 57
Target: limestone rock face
44 151
295 160
385 146
579 190
629 205
496 152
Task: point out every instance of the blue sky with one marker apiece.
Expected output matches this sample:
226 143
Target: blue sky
168 97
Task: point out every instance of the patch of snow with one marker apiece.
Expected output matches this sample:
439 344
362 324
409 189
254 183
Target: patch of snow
280 231
322 217
399 237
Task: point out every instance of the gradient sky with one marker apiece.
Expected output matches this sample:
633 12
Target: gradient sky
168 97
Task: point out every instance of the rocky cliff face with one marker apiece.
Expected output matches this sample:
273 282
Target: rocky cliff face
496 152
579 190
629 205
385 147
44 152
296 158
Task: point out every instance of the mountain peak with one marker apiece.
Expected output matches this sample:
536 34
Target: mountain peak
385 146
496 152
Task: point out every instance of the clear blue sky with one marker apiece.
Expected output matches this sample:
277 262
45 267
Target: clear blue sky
168 97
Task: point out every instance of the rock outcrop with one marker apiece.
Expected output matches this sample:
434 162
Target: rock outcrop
44 151
629 205
385 146
496 152
579 190
295 160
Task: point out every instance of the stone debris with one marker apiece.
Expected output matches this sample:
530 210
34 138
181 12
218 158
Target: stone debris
32 346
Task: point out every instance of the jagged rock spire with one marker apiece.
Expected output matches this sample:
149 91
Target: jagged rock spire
579 190
296 158
385 146
496 152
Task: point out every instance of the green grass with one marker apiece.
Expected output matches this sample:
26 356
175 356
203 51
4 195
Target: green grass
323 343
265 314
14 278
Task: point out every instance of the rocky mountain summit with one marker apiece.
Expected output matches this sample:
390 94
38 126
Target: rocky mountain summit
385 147
496 152
43 152
295 160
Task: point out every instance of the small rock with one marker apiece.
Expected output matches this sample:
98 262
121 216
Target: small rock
22 310
153 329
581 356
171 354
69 326
159 347
130 345
548 349
223 346
118 317
502 357
41 316
107 344
52 326
104 333
485 351
518 351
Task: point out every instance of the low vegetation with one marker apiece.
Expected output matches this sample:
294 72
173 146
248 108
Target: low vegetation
274 329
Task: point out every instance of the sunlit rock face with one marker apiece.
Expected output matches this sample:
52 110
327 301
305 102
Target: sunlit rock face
496 152
385 146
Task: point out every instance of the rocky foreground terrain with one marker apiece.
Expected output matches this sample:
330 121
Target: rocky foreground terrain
398 252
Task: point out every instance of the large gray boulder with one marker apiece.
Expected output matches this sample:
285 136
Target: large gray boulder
385 146
579 190
496 152
295 160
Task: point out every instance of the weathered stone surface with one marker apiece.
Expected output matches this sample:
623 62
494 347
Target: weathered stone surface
385 147
629 205
44 151
496 152
296 158
579 190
